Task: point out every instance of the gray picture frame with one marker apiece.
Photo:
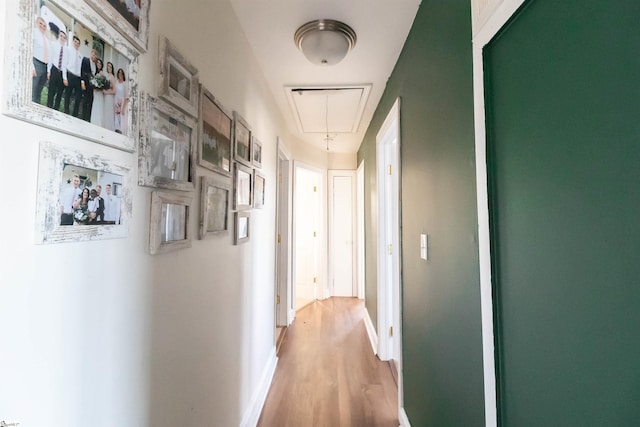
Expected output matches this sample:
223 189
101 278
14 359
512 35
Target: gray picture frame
242 187
169 218
215 206
167 145
179 81
242 142
215 134
242 227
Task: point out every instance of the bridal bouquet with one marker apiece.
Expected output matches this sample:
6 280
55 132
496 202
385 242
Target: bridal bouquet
100 82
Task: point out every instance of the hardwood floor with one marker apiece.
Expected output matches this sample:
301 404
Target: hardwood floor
327 374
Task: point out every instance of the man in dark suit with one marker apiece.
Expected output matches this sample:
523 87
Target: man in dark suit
88 70
57 61
71 78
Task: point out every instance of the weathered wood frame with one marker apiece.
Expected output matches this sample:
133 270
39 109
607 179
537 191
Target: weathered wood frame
206 96
237 239
256 152
18 64
238 204
138 36
222 184
149 105
258 196
158 198
53 157
240 126
169 55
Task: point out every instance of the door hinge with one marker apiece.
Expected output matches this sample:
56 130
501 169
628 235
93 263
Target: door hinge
315 189
390 249
390 331
315 234
315 280
390 170
278 299
279 240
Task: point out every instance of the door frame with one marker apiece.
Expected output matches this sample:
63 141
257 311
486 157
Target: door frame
321 289
489 17
332 174
283 283
360 230
389 295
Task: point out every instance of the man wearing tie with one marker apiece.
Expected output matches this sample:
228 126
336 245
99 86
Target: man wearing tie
88 70
71 78
40 59
57 57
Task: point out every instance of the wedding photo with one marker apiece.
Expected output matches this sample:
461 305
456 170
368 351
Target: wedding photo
89 196
76 72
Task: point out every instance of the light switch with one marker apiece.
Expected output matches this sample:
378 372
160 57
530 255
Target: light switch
424 254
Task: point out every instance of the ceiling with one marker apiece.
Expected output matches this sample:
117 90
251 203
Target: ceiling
356 84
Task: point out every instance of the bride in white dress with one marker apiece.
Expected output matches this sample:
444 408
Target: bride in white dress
98 99
108 121
121 102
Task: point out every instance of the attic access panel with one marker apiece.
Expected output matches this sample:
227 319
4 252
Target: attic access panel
327 109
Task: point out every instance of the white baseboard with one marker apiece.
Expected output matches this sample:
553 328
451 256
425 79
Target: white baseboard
404 420
252 414
371 331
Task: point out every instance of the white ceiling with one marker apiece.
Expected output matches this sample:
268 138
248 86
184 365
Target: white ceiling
381 27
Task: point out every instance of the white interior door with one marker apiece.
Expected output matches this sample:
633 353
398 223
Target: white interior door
284 292
342 249
307 234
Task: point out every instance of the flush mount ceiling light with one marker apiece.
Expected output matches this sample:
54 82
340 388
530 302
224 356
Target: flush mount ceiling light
325 41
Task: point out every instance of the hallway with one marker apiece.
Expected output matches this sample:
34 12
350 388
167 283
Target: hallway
327 374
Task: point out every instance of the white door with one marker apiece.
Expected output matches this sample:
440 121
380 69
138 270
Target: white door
341 252
307 234
283 291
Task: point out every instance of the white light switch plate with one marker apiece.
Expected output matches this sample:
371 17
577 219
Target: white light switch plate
424 254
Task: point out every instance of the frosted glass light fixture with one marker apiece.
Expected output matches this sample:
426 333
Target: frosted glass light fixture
325 41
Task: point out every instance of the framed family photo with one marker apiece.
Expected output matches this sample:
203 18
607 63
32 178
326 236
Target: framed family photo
69 70
215 201
130 17
167 144
242 140
242 187
81 196
215 127
242 227
169 223
179 82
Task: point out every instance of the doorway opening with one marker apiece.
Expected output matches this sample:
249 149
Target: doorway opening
389 307
309 231
283 289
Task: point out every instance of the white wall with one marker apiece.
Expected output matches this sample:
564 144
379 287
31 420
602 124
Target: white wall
101 333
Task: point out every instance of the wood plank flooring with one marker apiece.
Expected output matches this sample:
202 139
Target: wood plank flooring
327 374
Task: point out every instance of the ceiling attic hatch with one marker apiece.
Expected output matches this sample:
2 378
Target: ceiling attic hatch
328 109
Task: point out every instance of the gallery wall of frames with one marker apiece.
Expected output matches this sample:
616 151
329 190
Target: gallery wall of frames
76 72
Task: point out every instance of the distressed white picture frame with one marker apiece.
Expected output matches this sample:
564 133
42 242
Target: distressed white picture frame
163 159
53 158
161 223
215 204
179 81
17 100
138 35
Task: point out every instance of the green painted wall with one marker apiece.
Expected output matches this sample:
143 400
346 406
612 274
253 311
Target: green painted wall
441 297
564 145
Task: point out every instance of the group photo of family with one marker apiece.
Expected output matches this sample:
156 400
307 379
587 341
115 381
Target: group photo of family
89 197
76 72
